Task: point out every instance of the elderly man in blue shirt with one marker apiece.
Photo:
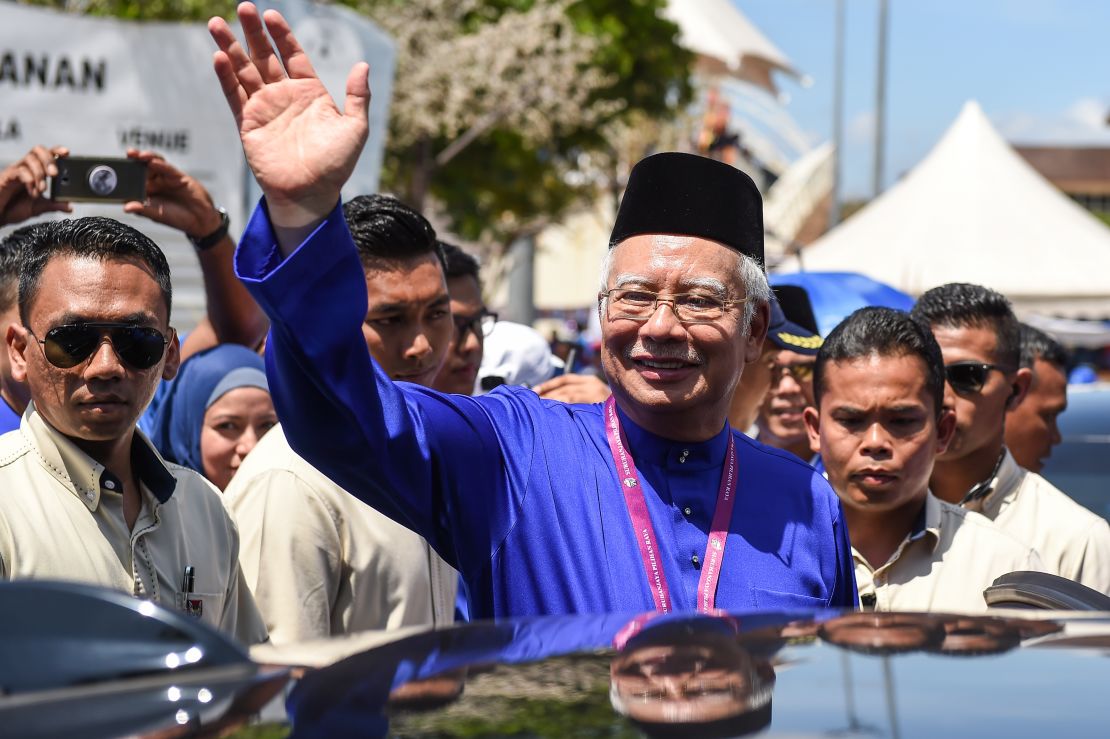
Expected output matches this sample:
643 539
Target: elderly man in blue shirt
649 501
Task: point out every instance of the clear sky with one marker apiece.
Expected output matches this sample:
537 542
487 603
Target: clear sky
1039 68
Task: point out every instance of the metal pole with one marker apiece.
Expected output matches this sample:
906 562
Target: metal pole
880 100
522 276
838 114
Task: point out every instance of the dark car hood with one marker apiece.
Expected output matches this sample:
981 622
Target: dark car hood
795 674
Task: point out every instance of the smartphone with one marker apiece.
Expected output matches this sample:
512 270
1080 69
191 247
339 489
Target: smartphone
99 179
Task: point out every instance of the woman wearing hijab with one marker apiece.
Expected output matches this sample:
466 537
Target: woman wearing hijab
214 412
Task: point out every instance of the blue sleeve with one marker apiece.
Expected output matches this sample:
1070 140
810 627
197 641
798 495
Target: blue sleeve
448 467
845 595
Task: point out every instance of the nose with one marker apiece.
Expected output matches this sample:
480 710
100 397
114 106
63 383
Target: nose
244 445
663 325
1055 437
104 364
420 346
876 442
470 342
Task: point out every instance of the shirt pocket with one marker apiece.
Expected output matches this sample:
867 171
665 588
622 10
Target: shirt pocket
764 599
206 607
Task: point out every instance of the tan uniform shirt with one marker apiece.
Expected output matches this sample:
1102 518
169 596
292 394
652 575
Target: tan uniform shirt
323 563
944 566
1073 542
61 518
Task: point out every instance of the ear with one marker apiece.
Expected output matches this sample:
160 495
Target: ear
761 320
173 357
812 419
1020 387
17 344
946 429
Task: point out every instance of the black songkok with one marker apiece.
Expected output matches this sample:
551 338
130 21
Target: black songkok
689 195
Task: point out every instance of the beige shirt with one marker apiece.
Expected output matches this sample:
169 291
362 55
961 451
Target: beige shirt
323 563
61 518
1073 542
944 566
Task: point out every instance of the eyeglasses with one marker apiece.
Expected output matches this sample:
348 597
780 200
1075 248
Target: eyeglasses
72 343
636 304
969 377
801 372
480 325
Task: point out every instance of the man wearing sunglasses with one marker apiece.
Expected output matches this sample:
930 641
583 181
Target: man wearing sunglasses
981 342
321 562
879 422
650 501
83 495
473 323
781 423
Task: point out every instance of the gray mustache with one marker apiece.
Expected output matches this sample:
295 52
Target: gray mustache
678 352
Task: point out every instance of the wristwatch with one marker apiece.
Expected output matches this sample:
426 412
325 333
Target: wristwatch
204 243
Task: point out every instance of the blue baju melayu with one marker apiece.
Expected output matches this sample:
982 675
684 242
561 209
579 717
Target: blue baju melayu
521 494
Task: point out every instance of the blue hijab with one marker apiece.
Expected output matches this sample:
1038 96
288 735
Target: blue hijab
202 380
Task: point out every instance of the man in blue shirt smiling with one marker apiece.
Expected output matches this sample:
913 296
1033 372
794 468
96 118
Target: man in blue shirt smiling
648 501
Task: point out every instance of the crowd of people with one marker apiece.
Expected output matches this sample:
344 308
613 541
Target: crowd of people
320 456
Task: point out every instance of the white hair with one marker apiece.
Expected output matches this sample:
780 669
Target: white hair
756 288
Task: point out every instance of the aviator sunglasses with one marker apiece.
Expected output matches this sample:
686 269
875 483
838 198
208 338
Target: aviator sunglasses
72 343
969 377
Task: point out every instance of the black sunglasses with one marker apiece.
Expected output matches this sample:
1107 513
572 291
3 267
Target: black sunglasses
969 377
72 343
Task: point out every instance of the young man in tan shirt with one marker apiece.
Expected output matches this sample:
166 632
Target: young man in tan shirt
878 425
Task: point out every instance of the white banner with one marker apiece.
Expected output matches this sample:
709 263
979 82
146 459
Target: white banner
99 86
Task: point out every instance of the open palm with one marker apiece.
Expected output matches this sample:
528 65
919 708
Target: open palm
300 146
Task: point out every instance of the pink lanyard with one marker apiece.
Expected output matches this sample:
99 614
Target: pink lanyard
645 532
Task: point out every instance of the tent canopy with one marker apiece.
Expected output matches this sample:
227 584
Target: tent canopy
727 42
974 211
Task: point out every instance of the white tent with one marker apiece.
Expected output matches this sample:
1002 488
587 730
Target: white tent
727 42
974 211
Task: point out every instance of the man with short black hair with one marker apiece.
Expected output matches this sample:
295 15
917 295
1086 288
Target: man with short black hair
83 495
1031 429
981 342
473 323
320 562
879 423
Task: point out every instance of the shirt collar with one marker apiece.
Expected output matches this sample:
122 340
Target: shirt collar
647 448
985 487
83 475
928 522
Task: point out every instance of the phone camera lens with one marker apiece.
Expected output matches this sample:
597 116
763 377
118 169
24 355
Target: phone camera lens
103 180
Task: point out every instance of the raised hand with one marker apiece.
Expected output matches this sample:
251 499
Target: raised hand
173 198
23 185
301 148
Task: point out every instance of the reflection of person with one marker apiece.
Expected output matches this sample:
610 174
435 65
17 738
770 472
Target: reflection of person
320 561
82 495
691 678
214 412
884 633
980 340
782 335
790 390
1031 429
516 491
879 423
